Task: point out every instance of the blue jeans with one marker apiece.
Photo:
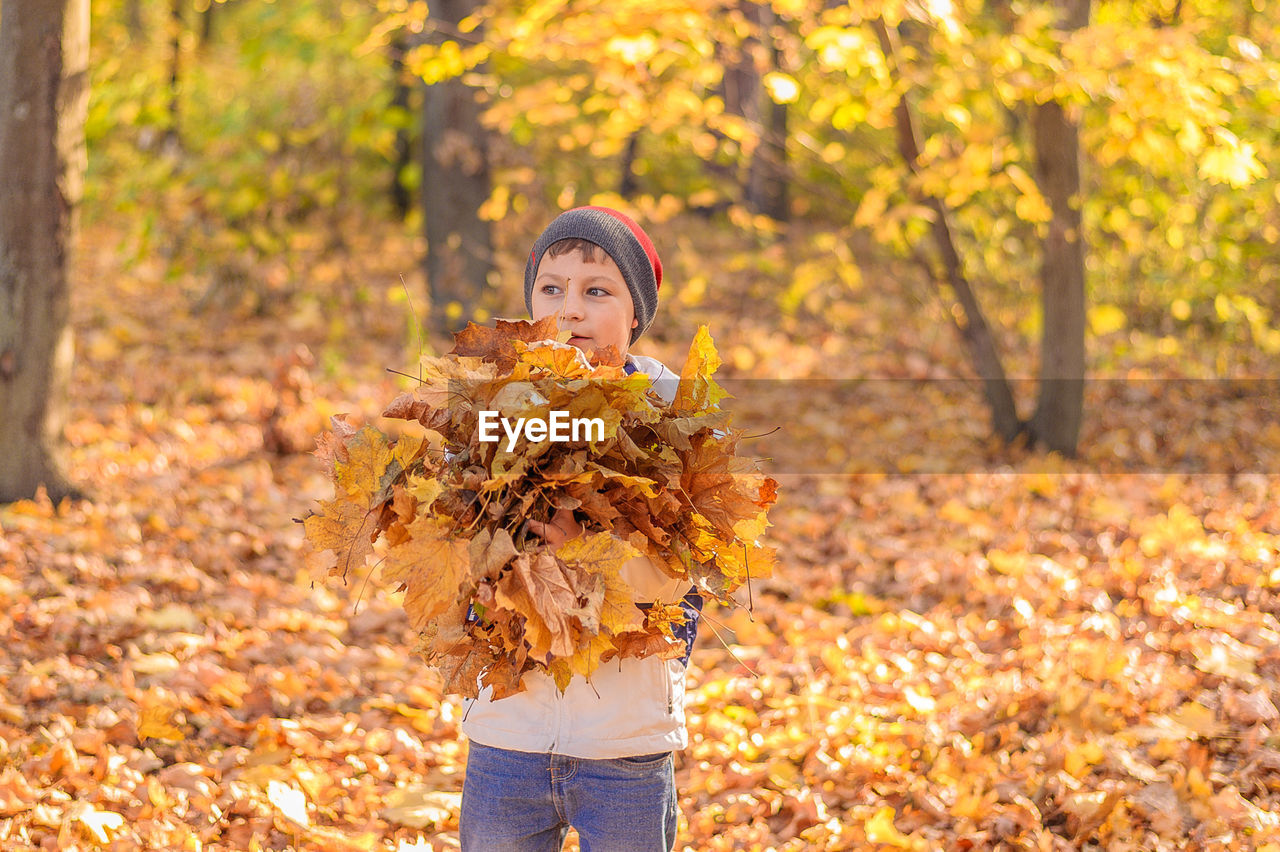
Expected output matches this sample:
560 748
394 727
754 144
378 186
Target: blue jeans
522 802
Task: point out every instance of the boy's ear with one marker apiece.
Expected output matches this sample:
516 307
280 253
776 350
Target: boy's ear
635 321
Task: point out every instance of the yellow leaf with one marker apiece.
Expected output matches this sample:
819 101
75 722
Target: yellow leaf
750 529
560 359
697 391
157 721
662 616
1232 162
425 489
1079 759
431 566
584 661
604 554
956 512
640 483
1197 719
368 457
880 829
344 527
407 449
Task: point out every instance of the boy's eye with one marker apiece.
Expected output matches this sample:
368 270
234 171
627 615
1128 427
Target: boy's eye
550 289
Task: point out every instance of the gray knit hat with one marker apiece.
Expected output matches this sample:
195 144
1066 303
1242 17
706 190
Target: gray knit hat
622 239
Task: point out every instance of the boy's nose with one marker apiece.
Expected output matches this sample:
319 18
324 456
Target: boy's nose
573 304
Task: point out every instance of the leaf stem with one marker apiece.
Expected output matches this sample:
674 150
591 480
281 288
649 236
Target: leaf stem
711 623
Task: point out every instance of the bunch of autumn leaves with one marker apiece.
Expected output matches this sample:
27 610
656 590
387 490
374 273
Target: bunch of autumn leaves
489 599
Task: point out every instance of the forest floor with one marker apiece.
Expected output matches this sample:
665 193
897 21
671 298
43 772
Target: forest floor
965 646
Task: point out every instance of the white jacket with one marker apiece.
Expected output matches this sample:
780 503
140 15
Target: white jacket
629 707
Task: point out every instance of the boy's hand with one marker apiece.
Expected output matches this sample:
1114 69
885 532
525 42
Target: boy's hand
562 527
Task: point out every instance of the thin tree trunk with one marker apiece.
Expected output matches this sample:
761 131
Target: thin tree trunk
974 330
775 199
133 19
207 24
44 56
173 135
627 184
401 198
455 183
1060 406
767 190
743 91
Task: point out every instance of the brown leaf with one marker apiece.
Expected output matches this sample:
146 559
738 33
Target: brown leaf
461 670
640 643
331 447
404 507
609 356
503 675
602 555
722 487
538 589
497 343
410 406
489 553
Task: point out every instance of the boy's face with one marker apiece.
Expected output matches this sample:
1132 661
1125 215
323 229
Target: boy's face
592 300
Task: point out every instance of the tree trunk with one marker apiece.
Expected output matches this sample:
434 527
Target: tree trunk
44 56
133 19
767 190
744 97
627 183
455 183
1060 405
173 134
401 197
207 24
974 330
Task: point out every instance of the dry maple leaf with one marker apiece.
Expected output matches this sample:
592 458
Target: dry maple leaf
431 567
367 458
602 555
497 343
461 669
331 447
560 360
345 527
538 588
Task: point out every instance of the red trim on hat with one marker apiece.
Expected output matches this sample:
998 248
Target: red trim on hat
641 237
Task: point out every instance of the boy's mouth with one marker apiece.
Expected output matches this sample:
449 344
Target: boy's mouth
575 340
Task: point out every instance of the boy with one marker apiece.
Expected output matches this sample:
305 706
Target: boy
600 756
